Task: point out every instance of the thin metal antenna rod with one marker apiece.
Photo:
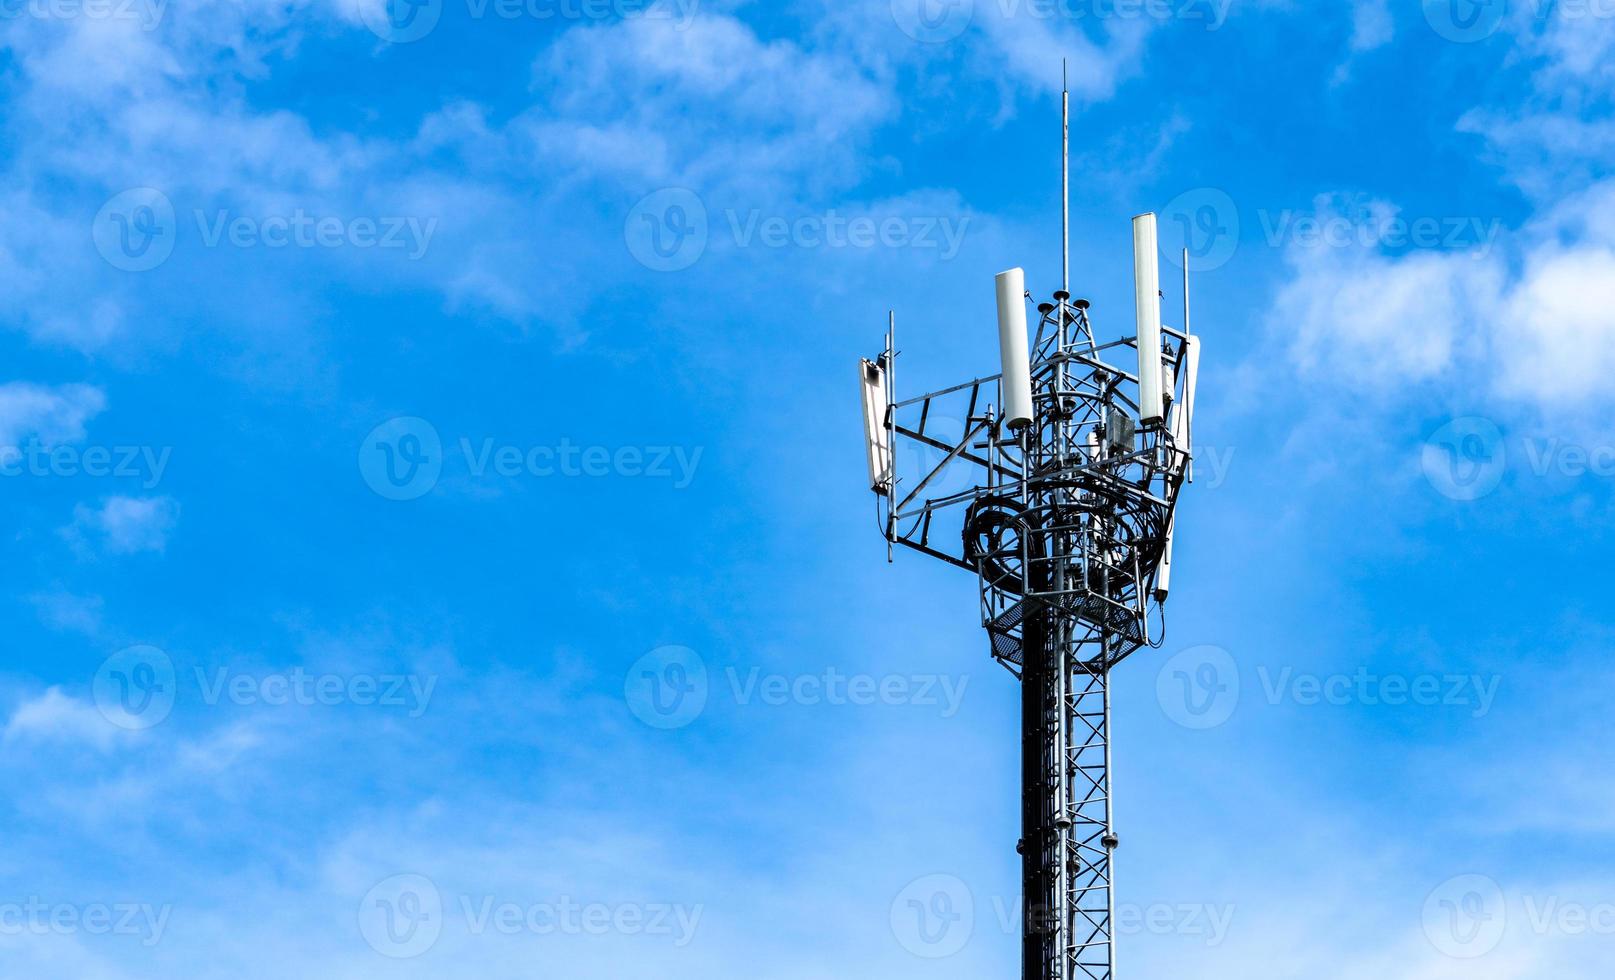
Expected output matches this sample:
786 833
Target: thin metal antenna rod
1065 179
1186 329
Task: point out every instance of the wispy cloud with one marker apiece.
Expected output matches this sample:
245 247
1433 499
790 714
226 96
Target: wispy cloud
56 717
125 525
53 415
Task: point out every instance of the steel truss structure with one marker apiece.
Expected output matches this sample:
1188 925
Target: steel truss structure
1066 524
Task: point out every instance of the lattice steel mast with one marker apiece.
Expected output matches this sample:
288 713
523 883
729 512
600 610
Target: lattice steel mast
1067 523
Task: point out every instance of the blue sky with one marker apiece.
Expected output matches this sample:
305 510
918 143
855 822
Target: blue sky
437 541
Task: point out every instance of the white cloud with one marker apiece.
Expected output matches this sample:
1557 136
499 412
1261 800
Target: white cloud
707 104
1371 25
56 717
1031 48
1370 320
1533 320
68 612
126 525
1560 133
1539 330
1562 318
53 415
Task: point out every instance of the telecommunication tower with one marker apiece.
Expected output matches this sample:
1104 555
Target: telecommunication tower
1072 459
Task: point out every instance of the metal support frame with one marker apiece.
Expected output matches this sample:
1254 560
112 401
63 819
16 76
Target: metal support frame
1065 524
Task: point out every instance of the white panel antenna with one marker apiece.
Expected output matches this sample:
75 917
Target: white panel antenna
1016 383
1147 282
877 438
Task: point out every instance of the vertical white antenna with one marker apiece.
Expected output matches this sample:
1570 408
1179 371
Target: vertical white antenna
1147 282
1191 359
1016 384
